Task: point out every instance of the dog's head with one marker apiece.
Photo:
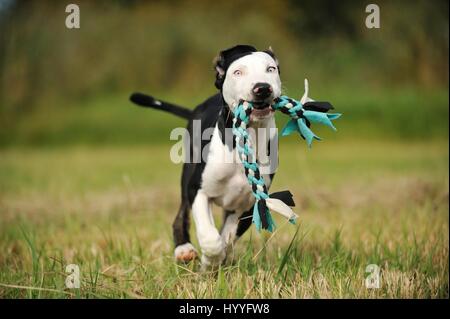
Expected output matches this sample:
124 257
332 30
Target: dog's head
244 73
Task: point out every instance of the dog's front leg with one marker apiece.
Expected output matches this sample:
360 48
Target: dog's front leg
209 239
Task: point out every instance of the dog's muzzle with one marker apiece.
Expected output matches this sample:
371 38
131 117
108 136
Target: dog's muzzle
262 98
263 94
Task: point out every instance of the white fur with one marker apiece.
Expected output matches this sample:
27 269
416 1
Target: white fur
209 239
225 183
229 228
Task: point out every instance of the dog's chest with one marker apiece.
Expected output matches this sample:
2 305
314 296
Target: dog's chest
224 180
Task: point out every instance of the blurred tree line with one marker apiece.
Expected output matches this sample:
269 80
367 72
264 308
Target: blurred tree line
168 46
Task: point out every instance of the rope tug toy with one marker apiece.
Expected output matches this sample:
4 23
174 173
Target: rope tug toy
301 118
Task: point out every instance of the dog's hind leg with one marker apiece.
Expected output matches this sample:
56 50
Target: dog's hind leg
235 224
229 227
184 251
228 231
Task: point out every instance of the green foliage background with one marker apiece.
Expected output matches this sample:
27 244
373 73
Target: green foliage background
61 86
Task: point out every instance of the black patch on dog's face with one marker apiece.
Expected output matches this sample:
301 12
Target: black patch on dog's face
226 57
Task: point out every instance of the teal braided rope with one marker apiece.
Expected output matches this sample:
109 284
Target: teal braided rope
261 214
299 117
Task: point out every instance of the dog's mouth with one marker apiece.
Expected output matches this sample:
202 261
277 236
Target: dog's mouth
261 110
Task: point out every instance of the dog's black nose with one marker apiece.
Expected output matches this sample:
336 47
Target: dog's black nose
262 90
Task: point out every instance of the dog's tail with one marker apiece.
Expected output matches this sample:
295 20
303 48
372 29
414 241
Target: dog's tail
150 101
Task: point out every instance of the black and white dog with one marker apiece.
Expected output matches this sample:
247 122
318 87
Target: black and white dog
242 73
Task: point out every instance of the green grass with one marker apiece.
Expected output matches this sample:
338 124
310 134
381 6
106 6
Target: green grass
108 210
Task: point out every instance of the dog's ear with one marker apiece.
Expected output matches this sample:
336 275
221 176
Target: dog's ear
270 52
220 70
226 57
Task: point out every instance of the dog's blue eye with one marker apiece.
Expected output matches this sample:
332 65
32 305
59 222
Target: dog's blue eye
271 69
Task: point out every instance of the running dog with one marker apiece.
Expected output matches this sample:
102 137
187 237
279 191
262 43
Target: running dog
242 73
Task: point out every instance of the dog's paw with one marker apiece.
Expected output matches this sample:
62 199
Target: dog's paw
212 244
185 253
213 250
212 262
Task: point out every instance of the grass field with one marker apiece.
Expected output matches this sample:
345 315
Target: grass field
85 175
108 210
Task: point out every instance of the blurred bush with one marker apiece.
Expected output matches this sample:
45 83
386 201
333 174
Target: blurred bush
167 48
